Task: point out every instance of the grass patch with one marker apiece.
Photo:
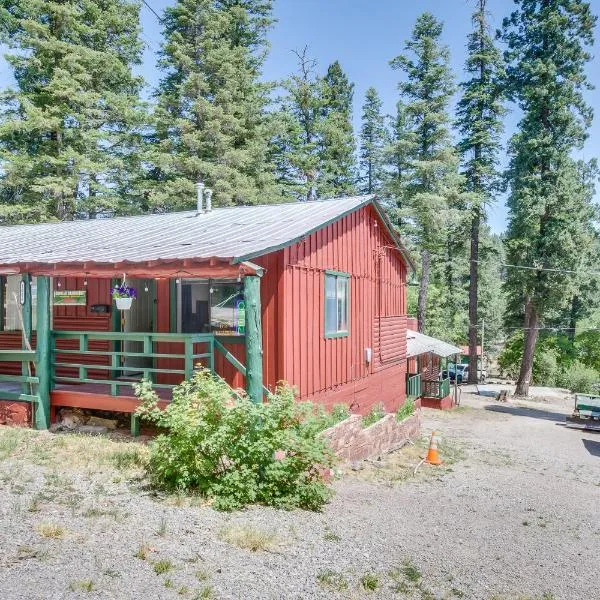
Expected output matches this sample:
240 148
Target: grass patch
331 536
248 537
411 572
163 566
82 586
399 466
206 593
369 582
142 552
73 452
407 409
375 414
51 530
332 579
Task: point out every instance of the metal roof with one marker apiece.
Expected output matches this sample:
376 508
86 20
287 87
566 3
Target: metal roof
418 343
238 233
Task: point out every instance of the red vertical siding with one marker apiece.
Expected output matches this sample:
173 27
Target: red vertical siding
336 368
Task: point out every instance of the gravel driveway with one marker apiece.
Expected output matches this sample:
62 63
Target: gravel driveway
514 514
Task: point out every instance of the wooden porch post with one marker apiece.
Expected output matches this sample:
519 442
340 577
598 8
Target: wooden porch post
254 352
42 410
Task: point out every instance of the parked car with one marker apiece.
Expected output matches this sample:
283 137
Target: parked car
463 373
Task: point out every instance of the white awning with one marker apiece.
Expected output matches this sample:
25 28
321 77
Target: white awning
418 343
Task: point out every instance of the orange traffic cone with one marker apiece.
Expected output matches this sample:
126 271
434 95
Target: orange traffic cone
433 458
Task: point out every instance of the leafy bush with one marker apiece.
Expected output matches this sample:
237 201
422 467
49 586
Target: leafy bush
234 451
587 346
407 409
374 415
545 360
578 378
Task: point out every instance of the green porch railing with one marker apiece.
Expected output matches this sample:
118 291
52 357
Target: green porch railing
86 348
413 386
436 389
27 383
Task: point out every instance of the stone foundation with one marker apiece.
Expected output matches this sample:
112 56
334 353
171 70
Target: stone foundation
350 441
15 413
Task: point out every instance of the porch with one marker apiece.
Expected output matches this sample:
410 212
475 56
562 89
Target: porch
97 369
425 378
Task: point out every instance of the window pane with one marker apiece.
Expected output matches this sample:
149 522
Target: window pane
330 304
227 309
342 304
194 306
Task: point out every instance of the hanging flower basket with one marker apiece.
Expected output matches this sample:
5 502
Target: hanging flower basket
123 296
124 303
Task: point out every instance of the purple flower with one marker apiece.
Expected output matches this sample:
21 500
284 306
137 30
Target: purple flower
123 291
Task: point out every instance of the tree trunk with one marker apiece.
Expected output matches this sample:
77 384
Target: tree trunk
473 297
531 333
574 311
423 288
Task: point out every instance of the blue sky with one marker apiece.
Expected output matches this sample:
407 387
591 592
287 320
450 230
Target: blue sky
364 35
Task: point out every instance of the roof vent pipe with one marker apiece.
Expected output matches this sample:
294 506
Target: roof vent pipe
209 194
199 196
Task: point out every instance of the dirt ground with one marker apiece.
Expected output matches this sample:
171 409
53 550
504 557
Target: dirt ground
512 514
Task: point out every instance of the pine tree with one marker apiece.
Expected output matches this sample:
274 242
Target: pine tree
549 217
374 139
298 145
210 120
66 130
479 122
337 153
430 181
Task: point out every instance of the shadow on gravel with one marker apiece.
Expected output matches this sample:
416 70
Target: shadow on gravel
521 411
592 447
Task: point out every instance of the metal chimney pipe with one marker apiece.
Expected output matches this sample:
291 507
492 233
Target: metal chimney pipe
199 196
209 194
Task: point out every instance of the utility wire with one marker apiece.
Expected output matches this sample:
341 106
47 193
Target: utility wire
547 269
152 11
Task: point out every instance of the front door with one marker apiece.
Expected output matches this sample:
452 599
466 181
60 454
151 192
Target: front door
138 319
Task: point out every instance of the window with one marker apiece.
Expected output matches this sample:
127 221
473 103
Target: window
211 306
336 304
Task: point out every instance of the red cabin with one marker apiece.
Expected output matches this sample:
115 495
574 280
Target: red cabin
311 293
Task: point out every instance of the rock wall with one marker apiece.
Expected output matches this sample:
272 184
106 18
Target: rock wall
350 441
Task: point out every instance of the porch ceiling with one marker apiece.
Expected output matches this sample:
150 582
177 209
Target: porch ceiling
175 242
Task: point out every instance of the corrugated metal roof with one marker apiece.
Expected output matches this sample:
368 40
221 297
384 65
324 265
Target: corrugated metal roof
237 233
418 343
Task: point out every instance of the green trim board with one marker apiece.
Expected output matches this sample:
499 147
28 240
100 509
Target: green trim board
348 277
369 200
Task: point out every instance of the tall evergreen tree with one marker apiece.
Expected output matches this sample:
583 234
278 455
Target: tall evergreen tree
210 120
65 130
430 182
338 163
374 139
479 122
549 217
296 147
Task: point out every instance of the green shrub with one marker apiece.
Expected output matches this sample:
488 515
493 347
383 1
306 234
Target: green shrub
234 451
578 378
374 415
545 360
339 413
407 409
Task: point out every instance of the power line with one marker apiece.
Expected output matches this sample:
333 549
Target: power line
152 11
547 269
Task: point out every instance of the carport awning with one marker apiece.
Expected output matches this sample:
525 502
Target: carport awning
418 343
